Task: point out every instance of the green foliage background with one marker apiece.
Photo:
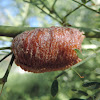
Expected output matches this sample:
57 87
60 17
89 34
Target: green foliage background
29 86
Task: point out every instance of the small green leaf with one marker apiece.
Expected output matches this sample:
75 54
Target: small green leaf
79 54
97 70
89 84
97 86
77 99
84 1
82 92
95 42
74 90
90 98
54 88
99 9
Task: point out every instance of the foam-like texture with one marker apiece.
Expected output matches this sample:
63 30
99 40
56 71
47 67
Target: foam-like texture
47 49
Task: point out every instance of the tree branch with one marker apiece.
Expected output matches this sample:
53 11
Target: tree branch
54 4
74 10
3 48
5 77
5 56
45 11
51 10
12 31
87 7
48 14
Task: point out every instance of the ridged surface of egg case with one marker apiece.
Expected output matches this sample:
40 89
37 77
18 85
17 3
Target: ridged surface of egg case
47 49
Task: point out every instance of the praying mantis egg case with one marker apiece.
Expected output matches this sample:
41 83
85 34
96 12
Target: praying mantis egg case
47 49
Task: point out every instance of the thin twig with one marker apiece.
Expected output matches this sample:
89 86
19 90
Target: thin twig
62 73
45 5
54 4
54 11
3 48
47 9
8 69
26 15
2 88
51 10
4 79
77 73
48 14
26 1
56 14
43 10
74 9
5 56
87 6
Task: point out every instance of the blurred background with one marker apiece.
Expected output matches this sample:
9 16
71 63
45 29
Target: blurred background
23 85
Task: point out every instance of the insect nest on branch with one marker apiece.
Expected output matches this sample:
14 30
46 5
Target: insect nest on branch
47 49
